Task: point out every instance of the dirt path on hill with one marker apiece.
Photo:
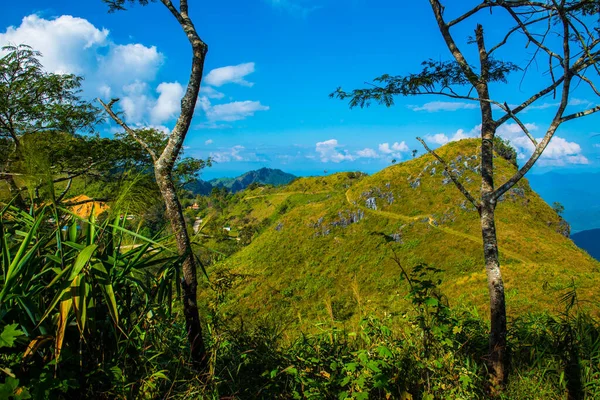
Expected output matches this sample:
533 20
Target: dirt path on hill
431 222
405 218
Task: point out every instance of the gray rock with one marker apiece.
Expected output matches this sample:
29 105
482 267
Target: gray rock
371 203
416 183
279 227
397 237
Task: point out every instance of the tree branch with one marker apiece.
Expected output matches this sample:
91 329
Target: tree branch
454 178
451 44
78 203
507 109
64 192
131 132
580 114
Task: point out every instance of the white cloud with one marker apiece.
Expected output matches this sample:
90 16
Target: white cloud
579 102
367 153
442 138
232 154
328 151
236 153
125 70
125 63
436 106
395 148
562 152
168 104
211 93
541 106
234 111
558 152
63 41
231 74
208 142
136 102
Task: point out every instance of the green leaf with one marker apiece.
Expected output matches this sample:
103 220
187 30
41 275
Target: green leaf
432 302
82 259
9 334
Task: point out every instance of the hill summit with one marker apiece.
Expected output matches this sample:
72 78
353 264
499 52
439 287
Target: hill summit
331 247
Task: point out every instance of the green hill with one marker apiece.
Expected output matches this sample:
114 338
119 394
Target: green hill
324 245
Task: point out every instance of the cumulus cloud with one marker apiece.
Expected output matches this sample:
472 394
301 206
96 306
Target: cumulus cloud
229 112
230 74
67 43
367 153
125 70
211 93
130 60
442 138
136 101
168 104
436 106
559 151
385 148
328 151
236 153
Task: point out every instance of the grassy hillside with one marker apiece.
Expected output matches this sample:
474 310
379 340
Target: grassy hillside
325 245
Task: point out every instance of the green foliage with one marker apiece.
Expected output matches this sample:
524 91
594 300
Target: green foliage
558 208
435 76
504 149
24 85
74 303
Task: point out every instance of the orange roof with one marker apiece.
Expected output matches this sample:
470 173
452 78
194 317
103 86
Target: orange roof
85 210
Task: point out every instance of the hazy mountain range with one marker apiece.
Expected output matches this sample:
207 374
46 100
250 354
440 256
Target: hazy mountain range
265 176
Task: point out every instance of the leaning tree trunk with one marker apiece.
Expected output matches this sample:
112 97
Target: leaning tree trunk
163 167
188 282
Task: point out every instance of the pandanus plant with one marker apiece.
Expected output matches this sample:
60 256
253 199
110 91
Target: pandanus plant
80 284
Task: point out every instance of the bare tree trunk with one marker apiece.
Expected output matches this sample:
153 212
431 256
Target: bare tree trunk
498 357
188 283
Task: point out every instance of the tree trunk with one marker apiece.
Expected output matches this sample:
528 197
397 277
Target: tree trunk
189 283
498 359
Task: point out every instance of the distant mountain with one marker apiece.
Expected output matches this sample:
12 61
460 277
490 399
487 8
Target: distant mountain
266 176
576 192
199 187
589 241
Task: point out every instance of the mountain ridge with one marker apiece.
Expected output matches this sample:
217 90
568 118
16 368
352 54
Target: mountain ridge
264 176
589 241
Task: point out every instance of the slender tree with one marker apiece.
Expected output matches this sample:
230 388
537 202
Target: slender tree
164 163
561 35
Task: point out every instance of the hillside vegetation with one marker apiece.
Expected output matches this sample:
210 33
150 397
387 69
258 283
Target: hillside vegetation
326 245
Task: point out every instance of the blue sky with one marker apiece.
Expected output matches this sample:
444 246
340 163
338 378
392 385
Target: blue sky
270 67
